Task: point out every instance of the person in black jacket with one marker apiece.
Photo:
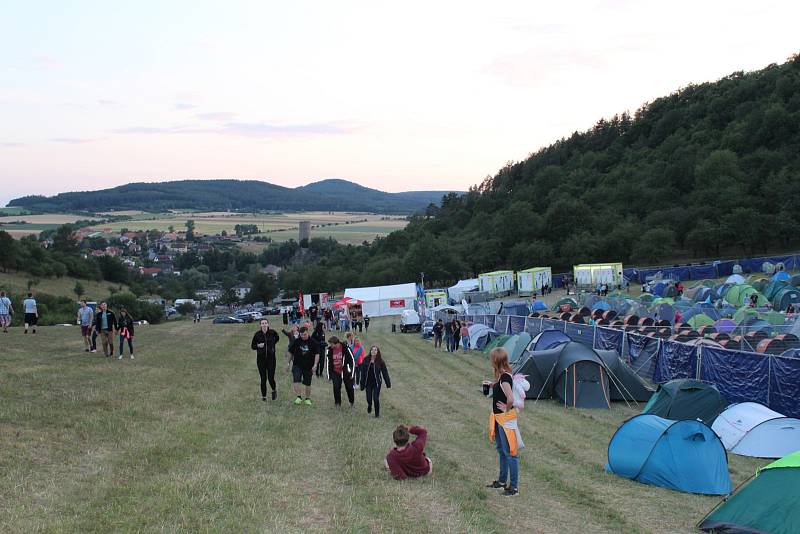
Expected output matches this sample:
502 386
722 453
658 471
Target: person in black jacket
105 322
319 336
438 331
341 368
125 327
303 361
264 341
374 372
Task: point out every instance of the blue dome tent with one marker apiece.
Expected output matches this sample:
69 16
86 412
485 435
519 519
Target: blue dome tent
680 455
781 276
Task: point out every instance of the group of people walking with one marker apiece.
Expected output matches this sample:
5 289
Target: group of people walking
106 325
455 334
29 307
344 361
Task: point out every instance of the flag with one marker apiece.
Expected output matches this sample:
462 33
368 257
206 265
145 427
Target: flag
300 305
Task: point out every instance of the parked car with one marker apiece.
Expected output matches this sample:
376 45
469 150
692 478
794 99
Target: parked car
427 329
409 321
228 320
274 310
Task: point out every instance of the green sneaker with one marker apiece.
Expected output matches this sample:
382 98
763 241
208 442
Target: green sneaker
298 400
307 402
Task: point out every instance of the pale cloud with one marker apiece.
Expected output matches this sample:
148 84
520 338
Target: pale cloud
250 129
11 145
72 140
216 116
46 62
183 106
107 102
537 67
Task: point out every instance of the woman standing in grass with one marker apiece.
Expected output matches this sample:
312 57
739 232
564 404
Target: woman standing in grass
503 429
264 341
373 373
341 369
125 326
464 337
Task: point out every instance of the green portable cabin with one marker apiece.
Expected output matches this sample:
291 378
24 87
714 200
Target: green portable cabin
496 282
591 274
768 503
435 297
532 280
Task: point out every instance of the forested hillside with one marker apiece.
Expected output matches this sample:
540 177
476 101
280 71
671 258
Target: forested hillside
711 168
237 195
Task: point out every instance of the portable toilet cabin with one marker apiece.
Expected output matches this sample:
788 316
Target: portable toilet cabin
591 274
435 297
532 280
497 283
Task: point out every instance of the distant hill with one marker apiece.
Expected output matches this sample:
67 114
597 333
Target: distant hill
240 195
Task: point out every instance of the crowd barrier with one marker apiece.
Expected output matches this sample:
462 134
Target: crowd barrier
740 376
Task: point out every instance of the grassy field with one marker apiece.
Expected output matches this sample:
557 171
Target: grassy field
178 440
17 282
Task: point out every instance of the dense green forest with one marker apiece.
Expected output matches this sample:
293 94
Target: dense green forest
711 168
237 195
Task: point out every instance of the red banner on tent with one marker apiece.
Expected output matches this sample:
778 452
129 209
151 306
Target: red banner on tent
300 305
401 303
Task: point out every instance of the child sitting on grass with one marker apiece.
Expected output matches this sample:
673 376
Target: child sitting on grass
408 460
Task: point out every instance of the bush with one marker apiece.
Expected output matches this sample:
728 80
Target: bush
139 310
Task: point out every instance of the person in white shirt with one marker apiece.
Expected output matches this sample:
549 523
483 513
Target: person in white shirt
31 313
6 309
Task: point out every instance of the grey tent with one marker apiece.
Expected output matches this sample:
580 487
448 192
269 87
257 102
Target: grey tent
480 335
516 345
572 373
625 383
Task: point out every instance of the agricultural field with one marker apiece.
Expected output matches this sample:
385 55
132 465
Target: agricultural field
179 440
345 227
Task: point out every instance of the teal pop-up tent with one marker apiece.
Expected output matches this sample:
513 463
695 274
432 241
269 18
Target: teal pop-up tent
680 455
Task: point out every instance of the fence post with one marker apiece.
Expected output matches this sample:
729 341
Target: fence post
699 359
769 380
594 337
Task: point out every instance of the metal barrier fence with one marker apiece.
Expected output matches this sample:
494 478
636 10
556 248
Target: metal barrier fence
740 376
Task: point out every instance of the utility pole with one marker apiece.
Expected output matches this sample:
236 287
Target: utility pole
422 276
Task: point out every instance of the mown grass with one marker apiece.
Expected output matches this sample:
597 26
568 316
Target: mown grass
178 440
17 282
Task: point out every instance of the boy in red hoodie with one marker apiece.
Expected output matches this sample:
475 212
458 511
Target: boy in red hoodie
408 459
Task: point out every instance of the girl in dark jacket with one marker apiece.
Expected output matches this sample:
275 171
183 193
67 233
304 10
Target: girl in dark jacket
456 335
125 326
264 341
374 372
341 368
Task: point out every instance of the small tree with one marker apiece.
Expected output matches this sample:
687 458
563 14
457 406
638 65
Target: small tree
78 289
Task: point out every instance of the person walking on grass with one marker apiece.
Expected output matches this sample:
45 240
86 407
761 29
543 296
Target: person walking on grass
464 337
31 313
448 336
85 319
408 460
6 311
340 367
366 324
303 362
264 342
503 428
456 335
125 330
319 336
373 373
105 322
438 332
359 353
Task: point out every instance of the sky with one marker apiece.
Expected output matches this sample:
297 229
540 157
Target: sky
398 96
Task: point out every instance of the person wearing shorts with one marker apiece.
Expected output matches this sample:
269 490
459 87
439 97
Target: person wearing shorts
85 319
303 361
31 313
6 309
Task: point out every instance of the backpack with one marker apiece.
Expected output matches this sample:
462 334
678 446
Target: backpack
519 387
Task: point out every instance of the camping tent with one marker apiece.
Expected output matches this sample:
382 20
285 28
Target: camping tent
735 279
767 504
515 307
480 335
515 345
781 276
752 429
679 455
571 372
496 342
548 339
456 292
785 296
625 384
384 300
539 305
686 399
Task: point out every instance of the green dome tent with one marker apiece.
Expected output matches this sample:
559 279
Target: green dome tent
499 341
745 313
515 345
565 301
701 319
686 399
787 295
768 503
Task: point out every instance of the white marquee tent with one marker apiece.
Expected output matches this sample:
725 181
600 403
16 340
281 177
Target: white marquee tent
457 291
752 429
384 300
